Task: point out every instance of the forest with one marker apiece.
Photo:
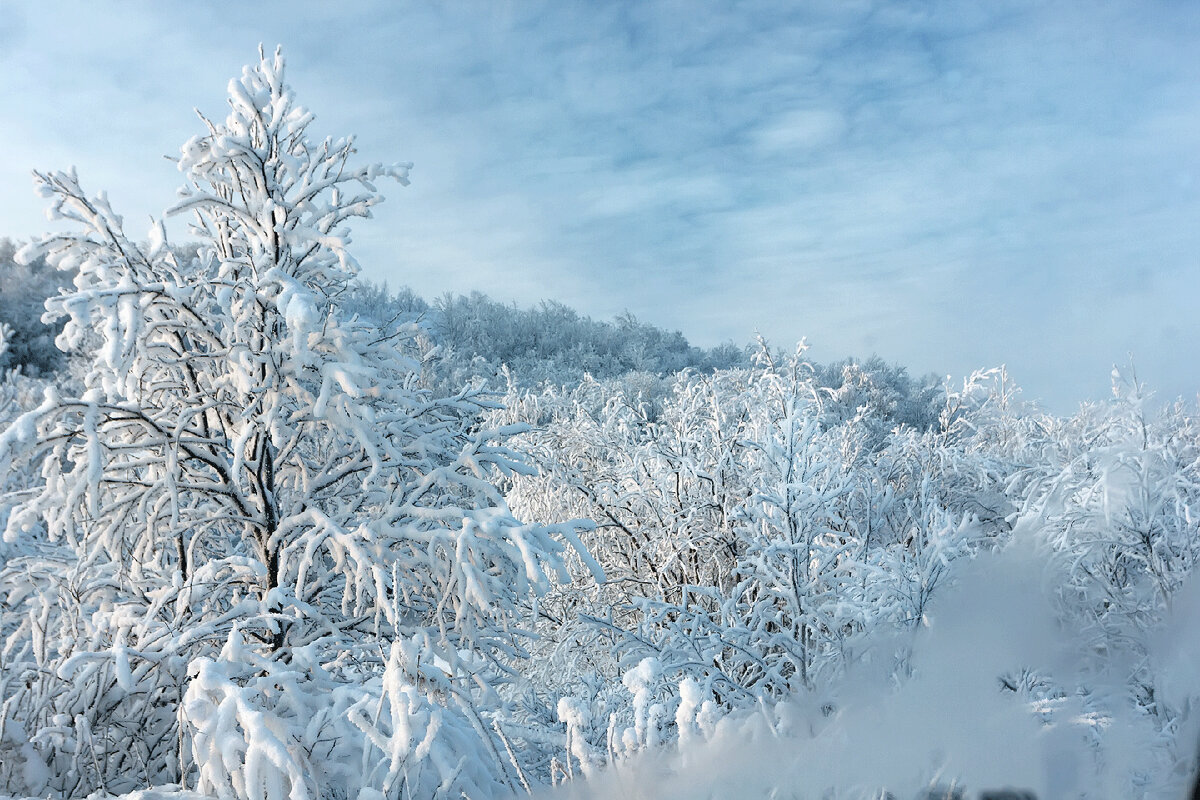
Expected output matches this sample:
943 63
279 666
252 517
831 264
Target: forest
272 531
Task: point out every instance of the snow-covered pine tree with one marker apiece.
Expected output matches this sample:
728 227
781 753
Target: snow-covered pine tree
250 474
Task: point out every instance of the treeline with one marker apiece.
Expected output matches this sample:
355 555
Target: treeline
474 335
464 338
548 343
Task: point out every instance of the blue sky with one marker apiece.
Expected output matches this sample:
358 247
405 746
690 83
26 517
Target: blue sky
949 185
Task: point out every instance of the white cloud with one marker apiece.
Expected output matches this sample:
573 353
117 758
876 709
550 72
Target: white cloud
802 129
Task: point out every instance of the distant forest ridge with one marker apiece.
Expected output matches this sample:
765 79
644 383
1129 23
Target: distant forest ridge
473 336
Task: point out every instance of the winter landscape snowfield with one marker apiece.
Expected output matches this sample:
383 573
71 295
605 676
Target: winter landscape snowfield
272 532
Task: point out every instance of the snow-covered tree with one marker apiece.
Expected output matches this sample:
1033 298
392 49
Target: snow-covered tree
252 474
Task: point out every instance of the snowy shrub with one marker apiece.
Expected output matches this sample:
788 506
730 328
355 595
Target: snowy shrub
257 727
1112 495
754 545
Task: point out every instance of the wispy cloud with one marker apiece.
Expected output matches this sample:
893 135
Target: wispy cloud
947 185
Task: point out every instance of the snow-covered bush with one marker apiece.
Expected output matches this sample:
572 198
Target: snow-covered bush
18 393
249 471
755 542
1112 495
